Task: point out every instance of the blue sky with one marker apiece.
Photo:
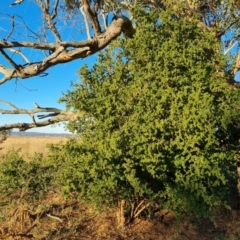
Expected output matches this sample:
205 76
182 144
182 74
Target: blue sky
43 90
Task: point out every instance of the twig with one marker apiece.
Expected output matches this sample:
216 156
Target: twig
12 29
18 51
8 103
8 59
49 18
229 48
104 20
86 22
54 14
92 17
54 217
140 210
138 206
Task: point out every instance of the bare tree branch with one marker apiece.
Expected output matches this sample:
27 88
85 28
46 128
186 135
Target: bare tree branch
86 22
7 72
17 110
54 14
16 2
8 59
8 103
49 18
12 29
26 126
18 51
104 20
92 17
55 116
43 46
60 53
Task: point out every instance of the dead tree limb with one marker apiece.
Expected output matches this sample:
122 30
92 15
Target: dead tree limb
63 52
54 115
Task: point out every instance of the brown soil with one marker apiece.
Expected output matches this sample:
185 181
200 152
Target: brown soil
57 219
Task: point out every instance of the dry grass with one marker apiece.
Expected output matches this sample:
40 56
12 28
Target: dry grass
29 145
58 219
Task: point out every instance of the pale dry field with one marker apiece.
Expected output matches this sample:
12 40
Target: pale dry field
29 145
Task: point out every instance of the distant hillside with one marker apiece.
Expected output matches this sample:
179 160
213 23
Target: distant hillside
35 134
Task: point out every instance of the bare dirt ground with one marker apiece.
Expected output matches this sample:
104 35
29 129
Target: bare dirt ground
55 218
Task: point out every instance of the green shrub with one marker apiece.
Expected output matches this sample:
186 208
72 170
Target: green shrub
160 121
23 180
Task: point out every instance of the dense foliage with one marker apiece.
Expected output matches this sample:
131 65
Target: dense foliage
160 120
22 180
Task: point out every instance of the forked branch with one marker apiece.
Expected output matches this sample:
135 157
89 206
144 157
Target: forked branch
54 115
92 17
62 52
